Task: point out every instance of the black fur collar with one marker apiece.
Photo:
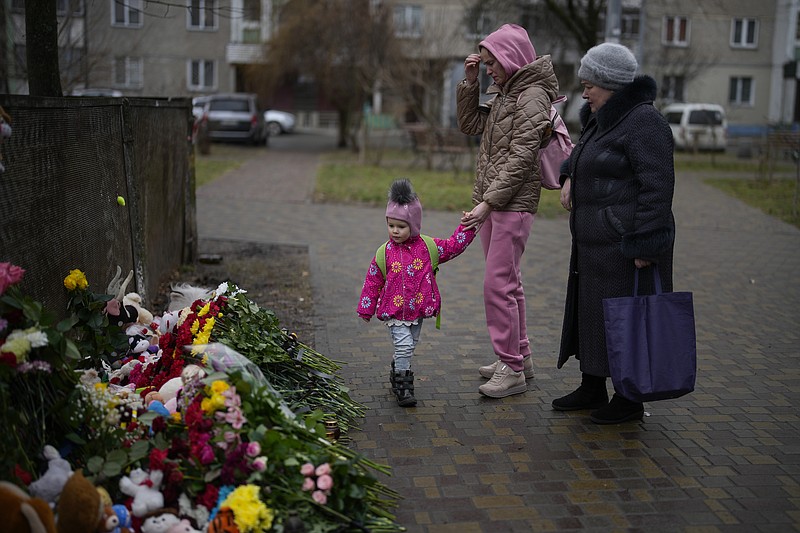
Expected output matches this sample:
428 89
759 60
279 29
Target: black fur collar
641 90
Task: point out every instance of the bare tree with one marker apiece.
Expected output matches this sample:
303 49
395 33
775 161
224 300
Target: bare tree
344 46
42 48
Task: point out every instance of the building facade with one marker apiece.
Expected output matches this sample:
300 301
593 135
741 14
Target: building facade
737 53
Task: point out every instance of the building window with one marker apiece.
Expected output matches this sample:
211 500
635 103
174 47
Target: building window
672 88
127 13
676 31
252 10
127 72
480 25
69 7
744 33
407 21
202 15
201 75
741 91
629 25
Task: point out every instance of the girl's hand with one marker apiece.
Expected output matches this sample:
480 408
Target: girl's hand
473 219
472 67
566 200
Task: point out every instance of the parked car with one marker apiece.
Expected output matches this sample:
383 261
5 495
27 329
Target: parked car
96 92
697 126
279 121
234 117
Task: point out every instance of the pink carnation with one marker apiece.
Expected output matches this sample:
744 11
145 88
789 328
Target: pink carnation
308 484
9 275
324 482
323 469
260 464
253 449
307 469
319 497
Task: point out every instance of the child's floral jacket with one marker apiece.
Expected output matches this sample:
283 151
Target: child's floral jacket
409 291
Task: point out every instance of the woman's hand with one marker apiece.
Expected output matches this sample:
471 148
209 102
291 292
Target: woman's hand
642 263
566 197
473 219
472 67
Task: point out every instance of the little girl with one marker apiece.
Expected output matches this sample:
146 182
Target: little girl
407 293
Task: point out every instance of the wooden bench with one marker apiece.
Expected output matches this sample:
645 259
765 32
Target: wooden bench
428 142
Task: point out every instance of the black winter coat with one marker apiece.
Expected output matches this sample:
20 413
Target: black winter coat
622 181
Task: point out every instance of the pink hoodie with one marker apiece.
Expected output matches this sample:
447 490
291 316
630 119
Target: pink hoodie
511 46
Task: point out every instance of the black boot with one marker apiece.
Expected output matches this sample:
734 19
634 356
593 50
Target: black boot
403 387
591 394
618 410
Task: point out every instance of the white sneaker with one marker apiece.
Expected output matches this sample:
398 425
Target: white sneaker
527 363
504 382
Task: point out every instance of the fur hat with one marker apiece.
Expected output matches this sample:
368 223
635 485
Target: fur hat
608 65
405 205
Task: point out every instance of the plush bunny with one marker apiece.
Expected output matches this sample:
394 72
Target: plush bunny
50 485
145 490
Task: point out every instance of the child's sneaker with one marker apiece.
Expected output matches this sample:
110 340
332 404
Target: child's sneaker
504 382
527 363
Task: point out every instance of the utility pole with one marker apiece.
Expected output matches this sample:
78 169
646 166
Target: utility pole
613 21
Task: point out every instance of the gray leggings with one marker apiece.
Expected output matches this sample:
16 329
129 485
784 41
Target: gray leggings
405 339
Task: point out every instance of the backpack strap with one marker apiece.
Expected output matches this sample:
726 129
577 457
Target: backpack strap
433 252
380 258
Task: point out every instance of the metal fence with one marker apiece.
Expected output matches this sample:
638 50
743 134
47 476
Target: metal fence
67 162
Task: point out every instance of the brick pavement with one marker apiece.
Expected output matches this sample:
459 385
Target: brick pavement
725 458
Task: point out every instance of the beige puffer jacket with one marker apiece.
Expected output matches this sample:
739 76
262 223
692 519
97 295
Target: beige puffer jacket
508 176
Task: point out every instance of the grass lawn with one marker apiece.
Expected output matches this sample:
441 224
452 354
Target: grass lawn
222 158
342 179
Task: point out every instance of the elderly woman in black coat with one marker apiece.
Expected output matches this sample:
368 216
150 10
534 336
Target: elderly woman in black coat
618 186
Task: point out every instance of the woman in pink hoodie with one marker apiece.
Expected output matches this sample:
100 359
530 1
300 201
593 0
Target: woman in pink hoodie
512 126
402 291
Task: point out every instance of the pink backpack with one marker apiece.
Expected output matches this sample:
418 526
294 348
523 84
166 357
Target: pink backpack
556 150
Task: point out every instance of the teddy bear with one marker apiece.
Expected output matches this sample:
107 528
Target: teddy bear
80 508
145 490
52 482
23 514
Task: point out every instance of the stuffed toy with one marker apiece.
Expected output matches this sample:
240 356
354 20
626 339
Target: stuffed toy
143 316
80 507
117 313
145 490
160 521
123 519
224 522
22 514
52 482
184 526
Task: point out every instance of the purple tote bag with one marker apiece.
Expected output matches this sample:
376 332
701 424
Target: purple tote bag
652 350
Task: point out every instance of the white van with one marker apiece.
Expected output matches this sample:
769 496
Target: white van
697 126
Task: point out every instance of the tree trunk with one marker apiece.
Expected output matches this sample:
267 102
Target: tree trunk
41 43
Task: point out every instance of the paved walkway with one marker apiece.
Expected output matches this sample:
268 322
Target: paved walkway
725 458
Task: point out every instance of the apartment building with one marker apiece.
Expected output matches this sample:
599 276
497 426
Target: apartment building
737 53
142 48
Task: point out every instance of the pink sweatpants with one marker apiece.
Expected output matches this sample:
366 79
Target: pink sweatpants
503 236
